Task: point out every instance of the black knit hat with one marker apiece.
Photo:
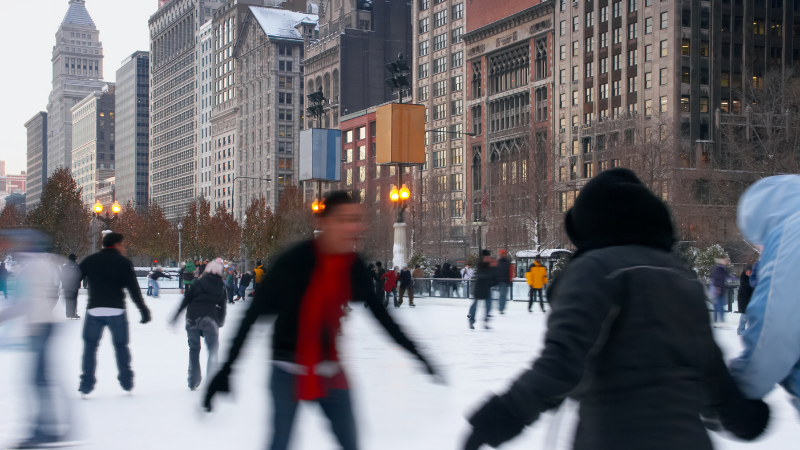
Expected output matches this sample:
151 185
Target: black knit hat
616 208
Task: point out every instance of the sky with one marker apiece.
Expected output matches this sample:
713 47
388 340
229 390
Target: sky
28 79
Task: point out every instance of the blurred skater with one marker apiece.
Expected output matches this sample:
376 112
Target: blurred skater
502 268
406 285
743 297
230 282
628 337
244 282
305 364
389 280
154 277
4 279
484 280
719 276
71 282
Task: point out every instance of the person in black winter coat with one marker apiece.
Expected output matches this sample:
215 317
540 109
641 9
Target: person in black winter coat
378 278
205 306
743 297
484 280
629 337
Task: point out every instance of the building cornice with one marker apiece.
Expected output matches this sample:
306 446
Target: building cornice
319 56
510 22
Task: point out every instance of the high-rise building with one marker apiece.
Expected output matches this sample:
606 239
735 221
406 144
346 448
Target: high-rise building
174 103
37 158
132 117
268 53
204 77
77 71
93 142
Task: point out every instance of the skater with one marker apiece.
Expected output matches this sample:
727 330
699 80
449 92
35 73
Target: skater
379 272
230 282
109 273
157 275
259 275
205 315
201 267
743 298
628 337
389 280
484 281
188 274
4 279
768 216
149 284
71 282
244 282
180 277
406 285
536 278
719 275
38 277
502 268
307 288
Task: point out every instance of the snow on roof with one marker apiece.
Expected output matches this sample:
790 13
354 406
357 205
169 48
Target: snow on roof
281 23
547 253
77 14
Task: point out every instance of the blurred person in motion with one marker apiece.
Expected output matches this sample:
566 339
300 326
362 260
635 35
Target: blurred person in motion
743 298
38 278
484 280
719 276
180 276
628 336
110 273
201 266
389 280
205 315
536 278
379 272
258 276
769 216
406 285
149 284
244 282
502 268
4 279
157 275
230 282
71 283
307 289
188 274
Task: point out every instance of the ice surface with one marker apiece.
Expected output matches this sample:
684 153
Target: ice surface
397 405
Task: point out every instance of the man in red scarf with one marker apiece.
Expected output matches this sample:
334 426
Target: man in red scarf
305 360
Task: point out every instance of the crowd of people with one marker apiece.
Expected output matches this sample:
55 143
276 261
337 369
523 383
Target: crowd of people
628 334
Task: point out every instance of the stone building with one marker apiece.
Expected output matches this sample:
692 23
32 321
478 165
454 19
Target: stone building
268 54
93 142
132 116
174 101
204 81
37 158
77 71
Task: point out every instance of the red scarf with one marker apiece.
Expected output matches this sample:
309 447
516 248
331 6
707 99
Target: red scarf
320 313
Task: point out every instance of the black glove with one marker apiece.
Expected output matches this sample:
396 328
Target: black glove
493 424
747 419
432 371
145 315
218 384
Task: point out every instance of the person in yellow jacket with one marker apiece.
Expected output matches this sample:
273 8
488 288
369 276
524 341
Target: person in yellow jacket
258 273
537 278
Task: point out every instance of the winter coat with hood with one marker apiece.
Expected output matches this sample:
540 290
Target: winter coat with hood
390 280
537 276
188 273
628 336
205 299
769 215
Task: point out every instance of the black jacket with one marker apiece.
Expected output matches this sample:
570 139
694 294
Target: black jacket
629 337
502 271
71 276
405 279
109 273
158 274
282 289
484 280
205 299
245 280
745 292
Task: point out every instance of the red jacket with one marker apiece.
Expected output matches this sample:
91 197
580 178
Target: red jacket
391 278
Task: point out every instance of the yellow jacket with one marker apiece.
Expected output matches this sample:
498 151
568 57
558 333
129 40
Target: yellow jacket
259 272
537 276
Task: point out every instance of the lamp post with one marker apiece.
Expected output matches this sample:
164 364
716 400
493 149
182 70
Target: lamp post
180 227
399 197
107 220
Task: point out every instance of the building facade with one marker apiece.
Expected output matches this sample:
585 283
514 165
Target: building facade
174 104
269 52
77 71
93 142
132 124
37 158
204 82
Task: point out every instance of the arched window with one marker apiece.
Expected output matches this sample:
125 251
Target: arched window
335 98
327 86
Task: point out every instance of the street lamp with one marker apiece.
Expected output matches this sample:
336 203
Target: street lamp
107 220
180 227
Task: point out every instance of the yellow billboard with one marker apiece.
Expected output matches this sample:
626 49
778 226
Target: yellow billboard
400 134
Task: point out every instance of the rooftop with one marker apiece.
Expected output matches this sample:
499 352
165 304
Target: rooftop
281 23
77 14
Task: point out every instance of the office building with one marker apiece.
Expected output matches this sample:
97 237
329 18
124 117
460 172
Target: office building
204 83
93 142
132 117
37 158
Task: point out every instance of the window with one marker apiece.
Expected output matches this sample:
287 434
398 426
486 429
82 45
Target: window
616 62
457 107
664 103
589 95
590 19
458 11
664 20
648 53
648 25
663 76
563 52
575 73
457 210
632 57
424 4
362 152
615 88
604 14
439 111
589 69
633 32
457 156
457 182
440 18
604 39
457 83
456 35
617 35
540 96
758 27
562 28
648 80
617 9
439 41
439 65
589 44
362 174
633 84
457 59
633 5
603 91
439 159
703 104
349 155
423 48
603 65
456 132
440 88
423 25
423 71
685 46
575 48
348 136
562 76
439 135
361 133
664 48
422 93
575 23
562 102
575 98
348 177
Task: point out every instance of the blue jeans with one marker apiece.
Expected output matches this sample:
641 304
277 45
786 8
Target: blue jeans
502 289
242 290
742 324
92 332
149 288
229 290
719 309
207 328
155 286
337 408
473 310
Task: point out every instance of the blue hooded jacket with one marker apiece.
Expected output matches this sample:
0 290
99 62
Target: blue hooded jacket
769 215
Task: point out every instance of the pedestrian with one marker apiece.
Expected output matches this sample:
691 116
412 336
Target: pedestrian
205 315
389 280
37 276
379 272
503 278
417 272
537 279
244 282
485 280
628 337
71 282
743 298
466 274
768 216
230 282
149 284
719 275
406 285
448 273
188 274
157 275
4 279
259 274
109 273
201 267
306 365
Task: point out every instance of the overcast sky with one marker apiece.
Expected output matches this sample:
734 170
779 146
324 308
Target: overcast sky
30 36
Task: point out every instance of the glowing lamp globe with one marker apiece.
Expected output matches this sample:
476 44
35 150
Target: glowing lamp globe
404 193
394 194
98 208
115 208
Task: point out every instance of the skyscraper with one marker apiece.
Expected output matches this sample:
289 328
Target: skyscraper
37 158
77 71
173 103
93 143
205 67
132 130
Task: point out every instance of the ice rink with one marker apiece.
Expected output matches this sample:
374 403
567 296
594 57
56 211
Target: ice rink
398 407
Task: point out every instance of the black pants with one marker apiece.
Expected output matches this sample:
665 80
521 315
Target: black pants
71 301
532 294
